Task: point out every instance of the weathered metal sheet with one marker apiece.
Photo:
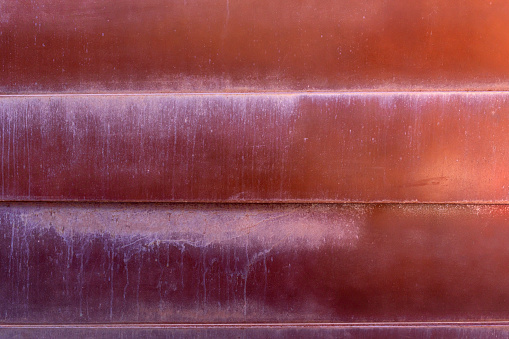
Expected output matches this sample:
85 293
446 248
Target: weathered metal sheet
291 331
160 263
133 127
204 45
329 147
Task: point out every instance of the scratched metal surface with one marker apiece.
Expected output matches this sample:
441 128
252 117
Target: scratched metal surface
205 45
379 331
275 263
336 147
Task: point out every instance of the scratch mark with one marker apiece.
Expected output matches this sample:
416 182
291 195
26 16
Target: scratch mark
138 288
266 220
12 249
126 265
27 262
3 148
81 283
27 143
246 273
182 249
134 242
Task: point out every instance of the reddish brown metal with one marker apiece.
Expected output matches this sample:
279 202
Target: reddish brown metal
341 147
110 263
204 45
276 101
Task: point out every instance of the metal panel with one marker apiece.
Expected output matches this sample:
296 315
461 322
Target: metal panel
159 263
205 45
266 101
375 330
336 147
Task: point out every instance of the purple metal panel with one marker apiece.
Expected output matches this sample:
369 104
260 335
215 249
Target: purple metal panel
373 330
159 263
330 147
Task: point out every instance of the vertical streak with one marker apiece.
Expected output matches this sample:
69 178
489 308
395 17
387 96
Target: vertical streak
168 256
81 282
182 266
253 145
8 148
14 148
265 286
227 11
27 264
173 164
3 136
27 143
138 288
219 279
245 277
204 279
111 278
126 264
228 276
12 248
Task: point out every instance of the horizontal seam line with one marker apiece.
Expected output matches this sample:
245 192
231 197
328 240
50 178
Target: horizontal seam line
289 202
255 325
290 93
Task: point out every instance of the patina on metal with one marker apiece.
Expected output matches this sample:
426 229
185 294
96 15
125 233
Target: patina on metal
209 263
298 147
242 168
245 45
